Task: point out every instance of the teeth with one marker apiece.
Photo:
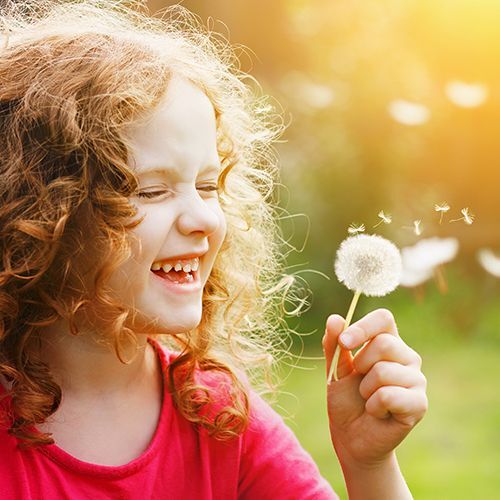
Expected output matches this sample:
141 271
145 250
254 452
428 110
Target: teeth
186 266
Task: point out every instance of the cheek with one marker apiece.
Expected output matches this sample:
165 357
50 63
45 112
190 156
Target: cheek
221 230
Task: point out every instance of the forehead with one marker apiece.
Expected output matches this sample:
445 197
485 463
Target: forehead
180 131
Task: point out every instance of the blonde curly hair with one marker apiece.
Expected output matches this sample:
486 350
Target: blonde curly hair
73 76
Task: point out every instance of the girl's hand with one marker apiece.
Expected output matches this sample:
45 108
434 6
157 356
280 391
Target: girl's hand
380 395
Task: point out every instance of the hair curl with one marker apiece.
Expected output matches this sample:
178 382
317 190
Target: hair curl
73 76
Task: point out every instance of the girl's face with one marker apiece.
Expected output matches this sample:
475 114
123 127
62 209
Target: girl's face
174 154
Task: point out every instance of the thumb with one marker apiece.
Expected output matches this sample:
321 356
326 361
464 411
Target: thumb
334 327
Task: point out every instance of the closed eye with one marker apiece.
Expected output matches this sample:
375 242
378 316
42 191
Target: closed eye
153 194
150 194
209 187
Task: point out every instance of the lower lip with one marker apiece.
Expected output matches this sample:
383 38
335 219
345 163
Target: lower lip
180 288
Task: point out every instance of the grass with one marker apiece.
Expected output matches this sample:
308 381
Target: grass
454 452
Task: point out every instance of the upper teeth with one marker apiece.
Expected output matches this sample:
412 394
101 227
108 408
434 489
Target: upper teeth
186 265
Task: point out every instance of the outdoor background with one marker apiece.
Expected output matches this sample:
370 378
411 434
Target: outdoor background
390 106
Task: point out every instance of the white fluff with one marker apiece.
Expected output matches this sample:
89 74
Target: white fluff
429 253
369 264
414 277
489 261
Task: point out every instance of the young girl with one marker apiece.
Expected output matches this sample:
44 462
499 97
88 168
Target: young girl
140 278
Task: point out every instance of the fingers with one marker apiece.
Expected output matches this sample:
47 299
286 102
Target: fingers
408 406
385 373
334 326
374 323
385 347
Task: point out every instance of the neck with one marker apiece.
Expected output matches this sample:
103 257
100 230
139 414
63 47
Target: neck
83 367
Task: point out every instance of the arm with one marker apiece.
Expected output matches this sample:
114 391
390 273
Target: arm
373 483
378 399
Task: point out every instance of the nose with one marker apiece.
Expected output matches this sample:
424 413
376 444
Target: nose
197 215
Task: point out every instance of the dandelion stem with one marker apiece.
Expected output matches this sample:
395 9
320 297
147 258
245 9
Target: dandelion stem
336 356
441 280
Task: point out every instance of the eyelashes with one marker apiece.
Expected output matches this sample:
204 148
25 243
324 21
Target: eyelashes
154 194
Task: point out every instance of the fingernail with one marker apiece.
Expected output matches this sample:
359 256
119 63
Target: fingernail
347 341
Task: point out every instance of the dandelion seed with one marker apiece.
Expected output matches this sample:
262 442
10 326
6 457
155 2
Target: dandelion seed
385 218
416 227
489 261
467 217
442 207
355 229
369 265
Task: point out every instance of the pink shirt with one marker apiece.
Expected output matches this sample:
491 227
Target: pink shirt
265 462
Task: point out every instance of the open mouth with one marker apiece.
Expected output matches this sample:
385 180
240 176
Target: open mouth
178 277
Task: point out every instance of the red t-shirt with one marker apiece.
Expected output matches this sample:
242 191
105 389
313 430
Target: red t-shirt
265 462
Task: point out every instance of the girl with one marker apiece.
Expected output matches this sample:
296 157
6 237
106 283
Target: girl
140 279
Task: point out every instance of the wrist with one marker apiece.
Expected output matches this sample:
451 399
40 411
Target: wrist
357 467
350 463
375 479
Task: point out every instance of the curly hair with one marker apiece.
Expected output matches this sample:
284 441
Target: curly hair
73 76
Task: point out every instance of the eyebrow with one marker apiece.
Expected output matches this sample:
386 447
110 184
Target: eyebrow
169 170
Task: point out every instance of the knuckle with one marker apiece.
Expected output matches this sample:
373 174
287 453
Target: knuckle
379 371
364 388
416 356
384 396
358 364
385 342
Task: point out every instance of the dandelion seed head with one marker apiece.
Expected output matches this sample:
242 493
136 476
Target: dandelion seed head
466 95
428 253
414 277
408 113
369 264
489 261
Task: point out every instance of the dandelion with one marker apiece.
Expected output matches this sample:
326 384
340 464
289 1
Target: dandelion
369 265
385 218
426 258
413 277
355 229
489 261
442 208
467 217
466 95
408 112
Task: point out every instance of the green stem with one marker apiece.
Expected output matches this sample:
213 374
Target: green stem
336 356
